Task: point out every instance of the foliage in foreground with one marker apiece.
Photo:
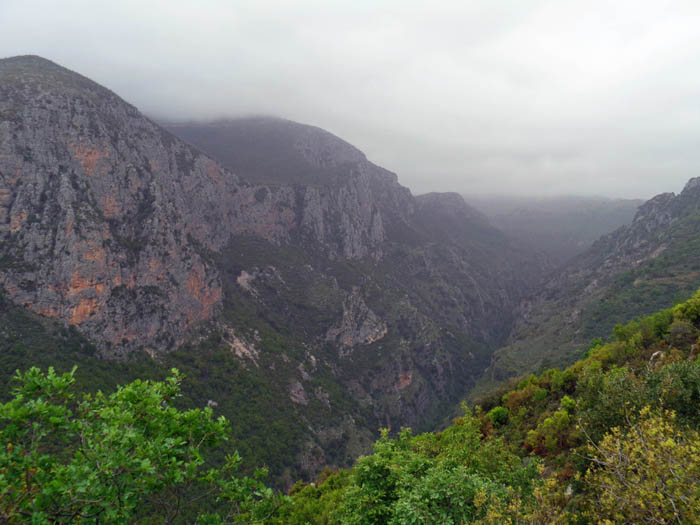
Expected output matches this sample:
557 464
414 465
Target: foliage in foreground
447 477
611 439
649 471
121 457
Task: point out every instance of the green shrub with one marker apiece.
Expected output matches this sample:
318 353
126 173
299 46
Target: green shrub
498 415
122 457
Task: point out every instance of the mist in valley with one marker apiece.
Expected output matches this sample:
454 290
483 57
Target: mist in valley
414 262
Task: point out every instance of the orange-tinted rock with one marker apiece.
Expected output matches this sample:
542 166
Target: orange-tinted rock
95 252
110 206
47 310
405 379
17 221
88 155
84 309
207 296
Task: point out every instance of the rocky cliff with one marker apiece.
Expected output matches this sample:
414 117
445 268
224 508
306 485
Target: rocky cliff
308 291
102 212
105 216
343 201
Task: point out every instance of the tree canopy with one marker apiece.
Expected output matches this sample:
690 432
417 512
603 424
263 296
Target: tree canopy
120 457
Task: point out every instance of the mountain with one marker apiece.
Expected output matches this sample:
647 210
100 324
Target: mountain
561 227
613 438
301 289
416 232
636 270
273 150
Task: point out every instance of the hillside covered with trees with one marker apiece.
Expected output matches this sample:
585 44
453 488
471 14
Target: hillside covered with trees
611 439
349 263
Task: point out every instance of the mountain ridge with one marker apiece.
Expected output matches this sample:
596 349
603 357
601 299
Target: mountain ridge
639 268
316 296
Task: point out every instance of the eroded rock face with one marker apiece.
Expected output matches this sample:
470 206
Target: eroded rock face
359 325
101 207
345 220
343 202
106 219
638 242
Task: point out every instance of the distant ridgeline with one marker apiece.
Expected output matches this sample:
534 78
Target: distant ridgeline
611 439
648 265
561 227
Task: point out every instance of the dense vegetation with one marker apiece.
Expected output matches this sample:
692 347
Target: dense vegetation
123 457
670 277
594 298
249 399
610 439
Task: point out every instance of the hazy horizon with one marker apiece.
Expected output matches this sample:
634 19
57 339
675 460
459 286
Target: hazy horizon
499 97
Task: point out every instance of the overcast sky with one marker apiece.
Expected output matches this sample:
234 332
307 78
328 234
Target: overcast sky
521 96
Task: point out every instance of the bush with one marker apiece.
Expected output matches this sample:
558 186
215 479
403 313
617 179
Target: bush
689 310
568 404
121 457
647 474
498 416
433 478
682 334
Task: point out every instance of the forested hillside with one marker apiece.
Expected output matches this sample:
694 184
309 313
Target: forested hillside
613 438
639 269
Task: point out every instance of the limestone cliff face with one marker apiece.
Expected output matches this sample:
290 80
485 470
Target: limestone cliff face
106 219
104 216
343 202
359 325
310 266
95 212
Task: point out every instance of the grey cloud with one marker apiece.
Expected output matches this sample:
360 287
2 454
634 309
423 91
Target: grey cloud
587 97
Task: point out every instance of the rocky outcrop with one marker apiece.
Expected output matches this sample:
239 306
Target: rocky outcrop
639 241
106 219
343 202
359 325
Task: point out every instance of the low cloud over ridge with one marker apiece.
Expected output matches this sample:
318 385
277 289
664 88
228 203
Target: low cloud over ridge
483 97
